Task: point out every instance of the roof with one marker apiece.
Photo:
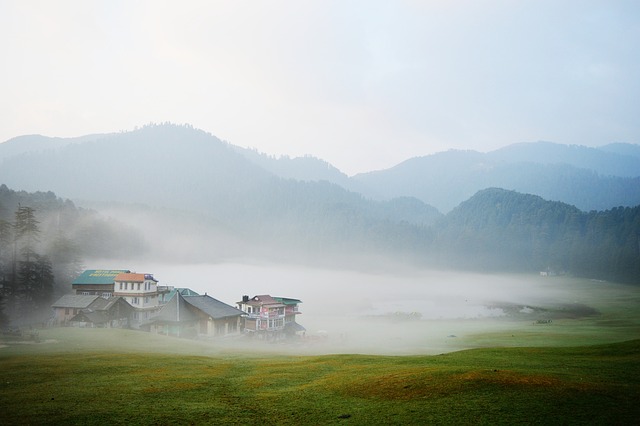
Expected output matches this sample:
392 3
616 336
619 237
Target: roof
133 277
262 299
97 276
183 291
294 326
78 301
112 301
176 311
213 307
99 304
287 300
96 317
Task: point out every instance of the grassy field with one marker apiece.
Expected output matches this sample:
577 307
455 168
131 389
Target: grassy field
573 358
84 376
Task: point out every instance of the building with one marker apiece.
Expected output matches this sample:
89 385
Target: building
105 313
96 282
69 305
196 316
215 318
141 292
92 310
270 316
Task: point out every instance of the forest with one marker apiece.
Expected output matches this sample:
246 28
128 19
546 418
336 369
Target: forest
43 242
45 239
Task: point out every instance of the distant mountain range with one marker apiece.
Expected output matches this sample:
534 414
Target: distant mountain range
504 210
589 178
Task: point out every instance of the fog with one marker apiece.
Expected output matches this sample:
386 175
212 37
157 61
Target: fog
356 304
402 311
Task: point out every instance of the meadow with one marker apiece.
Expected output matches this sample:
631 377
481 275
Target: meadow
102 376
569 357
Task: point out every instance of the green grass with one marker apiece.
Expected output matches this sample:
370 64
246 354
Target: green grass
85 377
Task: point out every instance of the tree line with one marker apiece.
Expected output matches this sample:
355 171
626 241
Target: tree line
504 230
43 243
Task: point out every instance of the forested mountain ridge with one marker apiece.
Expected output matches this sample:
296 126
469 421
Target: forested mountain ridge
589 178
225 203
609 160
498 229
37 143
182 168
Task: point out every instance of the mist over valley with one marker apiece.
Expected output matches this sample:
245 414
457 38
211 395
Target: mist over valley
319 213
390 275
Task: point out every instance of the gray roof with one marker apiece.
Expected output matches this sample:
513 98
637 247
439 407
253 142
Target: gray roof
177 310
110 302
96 317
213 307
79 301
294 326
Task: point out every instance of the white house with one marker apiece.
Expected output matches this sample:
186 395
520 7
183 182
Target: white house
141 292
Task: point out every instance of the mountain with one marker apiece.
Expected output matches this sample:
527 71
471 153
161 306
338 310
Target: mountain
589 178
502 230
612 161
305 168
179 168
191 196
622 149
38 143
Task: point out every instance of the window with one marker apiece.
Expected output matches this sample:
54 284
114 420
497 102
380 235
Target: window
85 293
120 285
67 311
138 286
125 286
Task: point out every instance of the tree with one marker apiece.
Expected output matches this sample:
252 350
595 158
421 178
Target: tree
32 276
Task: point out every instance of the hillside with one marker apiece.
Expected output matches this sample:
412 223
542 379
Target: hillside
588 178
191 196
181 169
498 229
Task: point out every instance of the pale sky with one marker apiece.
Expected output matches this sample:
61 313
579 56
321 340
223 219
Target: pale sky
363 85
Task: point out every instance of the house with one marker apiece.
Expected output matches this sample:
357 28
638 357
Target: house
270 316
215 318
96 282
105 313
69 305
141 292
91 309
191 316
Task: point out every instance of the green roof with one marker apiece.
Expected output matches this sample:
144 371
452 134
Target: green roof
98 276
287 300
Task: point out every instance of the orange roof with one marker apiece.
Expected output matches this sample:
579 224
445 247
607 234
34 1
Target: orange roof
130 277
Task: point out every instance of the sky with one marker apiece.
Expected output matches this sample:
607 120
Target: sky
363 85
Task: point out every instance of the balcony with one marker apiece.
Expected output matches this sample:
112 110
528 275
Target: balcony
265 315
